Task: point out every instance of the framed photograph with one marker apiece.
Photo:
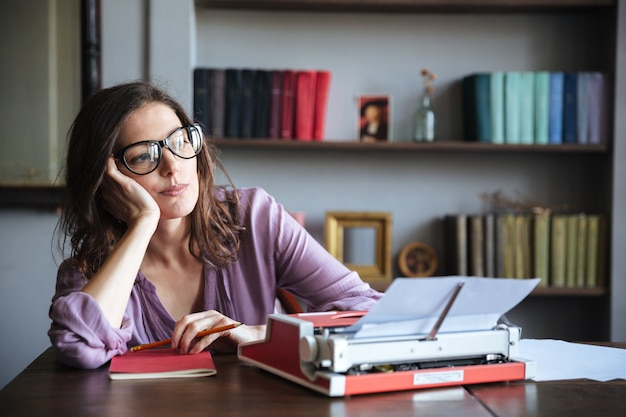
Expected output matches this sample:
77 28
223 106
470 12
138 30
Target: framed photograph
374 118
362 242
417 260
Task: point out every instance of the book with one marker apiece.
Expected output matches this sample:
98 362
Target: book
570 107
499 244
288 96
489 234
161 363
541 247
233 102
597 107
527 108
555 111
581 251
512 107
523 259
596 251
305 104
582 108
322 86
497 107
558 246
509 239
542 107
476 246
455 231
262 103
275 104
571 249
217 102
201 108
247 104
477 107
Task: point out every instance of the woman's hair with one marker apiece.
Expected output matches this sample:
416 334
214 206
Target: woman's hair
93 231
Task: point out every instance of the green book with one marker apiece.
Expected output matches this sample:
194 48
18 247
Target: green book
541 247
527 108
497 107
476 107
558 247
581 251
542 106
572 250
512 107
596 251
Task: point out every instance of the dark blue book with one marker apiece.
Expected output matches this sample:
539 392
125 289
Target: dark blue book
248 81
233 102
555 109
201 109
570 107
262 103
476 90
217 104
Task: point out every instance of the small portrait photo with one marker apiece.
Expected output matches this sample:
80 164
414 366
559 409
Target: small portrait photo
374 115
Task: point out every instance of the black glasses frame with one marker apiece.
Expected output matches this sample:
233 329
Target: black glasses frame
164 143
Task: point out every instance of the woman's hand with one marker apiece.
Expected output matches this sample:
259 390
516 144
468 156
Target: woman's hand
184 337
125 198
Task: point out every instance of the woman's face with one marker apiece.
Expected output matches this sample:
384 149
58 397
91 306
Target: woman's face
174 183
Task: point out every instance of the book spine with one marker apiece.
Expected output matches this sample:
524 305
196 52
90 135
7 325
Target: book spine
477 112
275 105
322 84
542 107
201 108
597 107
476 246
305 104
247 102
572 246
558 257
509 246
570 107
497 107
527 108
541 238
456 242
582 108
233 102
263 103
581 251
512 107
489 245
555 112
217 102
288 104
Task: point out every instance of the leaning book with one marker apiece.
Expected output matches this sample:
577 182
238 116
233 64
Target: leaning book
161 363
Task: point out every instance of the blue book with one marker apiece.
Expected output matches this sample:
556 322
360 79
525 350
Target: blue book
512 107
555 111
497 107
597 107
582 108
527 108
570 107
542 106
476 107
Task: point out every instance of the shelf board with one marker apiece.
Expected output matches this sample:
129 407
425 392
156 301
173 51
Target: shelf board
568 292
442 146
450 6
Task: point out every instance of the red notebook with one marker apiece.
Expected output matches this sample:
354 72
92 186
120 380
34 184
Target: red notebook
161 363
321 101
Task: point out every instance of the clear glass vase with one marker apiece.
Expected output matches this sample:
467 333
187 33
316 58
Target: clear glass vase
425 122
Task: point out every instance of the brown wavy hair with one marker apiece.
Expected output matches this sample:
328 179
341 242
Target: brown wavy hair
92 231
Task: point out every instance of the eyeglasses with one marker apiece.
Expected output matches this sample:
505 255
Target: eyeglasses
144 157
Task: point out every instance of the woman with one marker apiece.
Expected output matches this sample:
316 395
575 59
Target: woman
159 251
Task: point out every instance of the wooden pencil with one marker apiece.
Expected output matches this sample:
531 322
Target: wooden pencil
200 334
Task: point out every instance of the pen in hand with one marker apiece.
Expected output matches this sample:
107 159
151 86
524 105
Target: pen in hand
200 334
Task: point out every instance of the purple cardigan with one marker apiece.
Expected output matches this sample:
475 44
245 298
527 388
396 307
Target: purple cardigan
275 252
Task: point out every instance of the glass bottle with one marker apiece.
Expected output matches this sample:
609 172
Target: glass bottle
425 121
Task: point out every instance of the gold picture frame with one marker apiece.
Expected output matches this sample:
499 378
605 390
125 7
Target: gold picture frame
337 226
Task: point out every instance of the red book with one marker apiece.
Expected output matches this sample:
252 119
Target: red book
321 101
287 104
305 104
161 363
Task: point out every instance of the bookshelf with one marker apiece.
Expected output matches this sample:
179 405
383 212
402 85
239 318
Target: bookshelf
445 176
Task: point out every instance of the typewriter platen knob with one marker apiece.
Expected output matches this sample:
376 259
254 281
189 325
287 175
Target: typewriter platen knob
308 349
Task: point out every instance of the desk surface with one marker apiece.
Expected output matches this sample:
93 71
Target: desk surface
46 387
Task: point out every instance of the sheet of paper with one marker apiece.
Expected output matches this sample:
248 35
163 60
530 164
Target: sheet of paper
558 360
412 305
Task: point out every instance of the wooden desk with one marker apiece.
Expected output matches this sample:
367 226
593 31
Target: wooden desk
47 388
